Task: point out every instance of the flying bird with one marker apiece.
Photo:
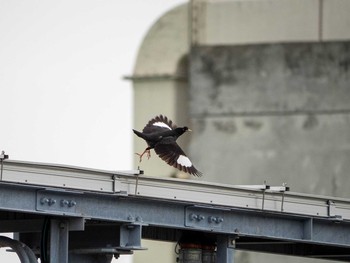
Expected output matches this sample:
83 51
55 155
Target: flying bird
161 134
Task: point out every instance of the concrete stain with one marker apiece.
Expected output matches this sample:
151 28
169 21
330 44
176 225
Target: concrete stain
225 126
310 122
253 124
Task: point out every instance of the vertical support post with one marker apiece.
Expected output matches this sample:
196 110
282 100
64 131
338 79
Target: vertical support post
59 231
225 249
3 157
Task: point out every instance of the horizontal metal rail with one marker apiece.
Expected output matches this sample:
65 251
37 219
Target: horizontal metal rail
193 191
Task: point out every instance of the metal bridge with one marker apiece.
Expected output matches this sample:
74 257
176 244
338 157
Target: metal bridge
73 214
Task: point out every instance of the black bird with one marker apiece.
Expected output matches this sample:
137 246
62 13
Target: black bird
161 134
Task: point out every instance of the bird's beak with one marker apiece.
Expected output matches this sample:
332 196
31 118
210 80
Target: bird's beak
189 130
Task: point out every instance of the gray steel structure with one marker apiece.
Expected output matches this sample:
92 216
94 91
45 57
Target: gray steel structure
93 214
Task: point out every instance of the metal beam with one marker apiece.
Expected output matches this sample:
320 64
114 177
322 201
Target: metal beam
170 208
163 213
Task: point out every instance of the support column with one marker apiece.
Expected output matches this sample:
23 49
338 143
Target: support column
59 231
225 250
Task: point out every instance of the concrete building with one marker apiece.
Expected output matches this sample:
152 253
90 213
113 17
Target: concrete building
264 84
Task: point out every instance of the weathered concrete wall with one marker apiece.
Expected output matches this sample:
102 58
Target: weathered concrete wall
232 22
270 78
278 112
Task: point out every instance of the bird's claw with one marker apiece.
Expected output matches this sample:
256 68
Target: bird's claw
141 154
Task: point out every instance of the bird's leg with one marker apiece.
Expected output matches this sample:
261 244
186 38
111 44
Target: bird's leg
147 150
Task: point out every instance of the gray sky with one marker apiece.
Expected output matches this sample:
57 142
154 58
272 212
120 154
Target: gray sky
62 97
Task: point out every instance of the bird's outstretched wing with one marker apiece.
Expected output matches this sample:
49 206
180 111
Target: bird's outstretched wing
170 152
158 124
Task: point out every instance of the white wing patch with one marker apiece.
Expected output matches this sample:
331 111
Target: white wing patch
162 124
184 161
